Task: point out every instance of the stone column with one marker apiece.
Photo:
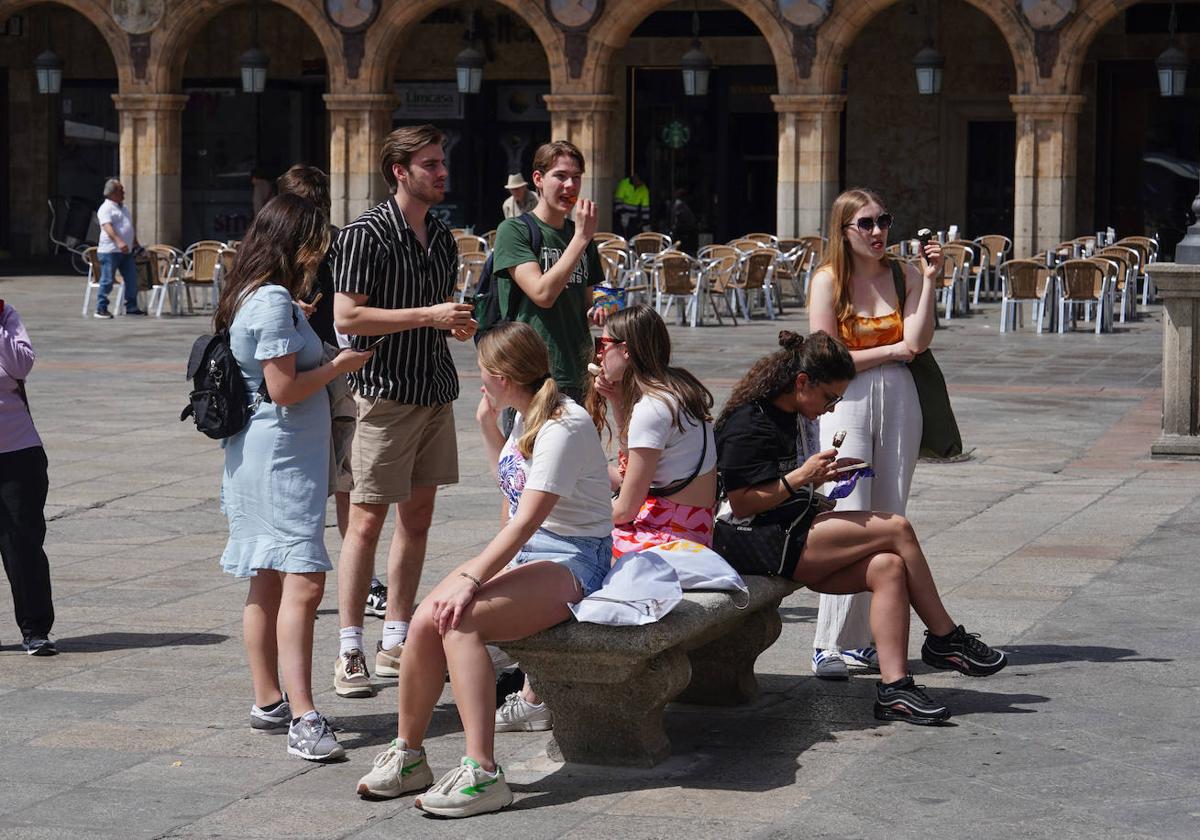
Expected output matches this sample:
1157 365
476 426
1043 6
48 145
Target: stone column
583 119
1178 285
358 124
151 153
809 130
1044 211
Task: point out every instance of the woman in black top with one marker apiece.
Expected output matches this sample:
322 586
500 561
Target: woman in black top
759 435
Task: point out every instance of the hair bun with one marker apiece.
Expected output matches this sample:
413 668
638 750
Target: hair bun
789 340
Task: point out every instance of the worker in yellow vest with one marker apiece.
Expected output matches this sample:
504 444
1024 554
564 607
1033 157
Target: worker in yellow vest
631 206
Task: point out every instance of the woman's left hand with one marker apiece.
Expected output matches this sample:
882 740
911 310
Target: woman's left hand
931 261
447 612
307 308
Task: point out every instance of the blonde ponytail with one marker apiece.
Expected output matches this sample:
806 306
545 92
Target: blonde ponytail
546 406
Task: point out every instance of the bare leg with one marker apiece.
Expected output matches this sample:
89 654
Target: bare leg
838 540
297 612
406 557
358 561
341 500
258 635
514 605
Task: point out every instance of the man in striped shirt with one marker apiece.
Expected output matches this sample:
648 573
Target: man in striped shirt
395 269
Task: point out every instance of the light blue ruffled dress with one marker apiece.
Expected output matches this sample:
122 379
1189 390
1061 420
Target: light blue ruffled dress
277 469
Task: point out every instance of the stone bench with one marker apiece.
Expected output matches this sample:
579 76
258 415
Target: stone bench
608 685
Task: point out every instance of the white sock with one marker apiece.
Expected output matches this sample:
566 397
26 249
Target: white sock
394 633
351 639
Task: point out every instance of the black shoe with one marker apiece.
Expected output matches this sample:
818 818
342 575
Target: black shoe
103 314
39 646
907 701
376 600
507 682
135 311
963 652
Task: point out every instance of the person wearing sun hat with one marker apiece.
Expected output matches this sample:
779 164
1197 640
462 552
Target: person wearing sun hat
521 199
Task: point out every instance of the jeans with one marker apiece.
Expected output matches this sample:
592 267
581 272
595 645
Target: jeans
109 264
588 559
23 486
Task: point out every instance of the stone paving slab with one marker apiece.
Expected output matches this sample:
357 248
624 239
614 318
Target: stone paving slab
1061 540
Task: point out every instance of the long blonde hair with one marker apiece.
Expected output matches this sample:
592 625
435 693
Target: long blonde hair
839 262
515 351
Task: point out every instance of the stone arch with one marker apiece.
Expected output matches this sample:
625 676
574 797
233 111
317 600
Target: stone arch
1077 37
97 13
187 19
837 34
395 20
615 27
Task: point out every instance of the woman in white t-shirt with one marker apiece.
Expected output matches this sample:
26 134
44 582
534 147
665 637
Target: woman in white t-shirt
667 466
553 550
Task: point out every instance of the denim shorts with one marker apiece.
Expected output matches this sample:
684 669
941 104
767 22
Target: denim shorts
587 558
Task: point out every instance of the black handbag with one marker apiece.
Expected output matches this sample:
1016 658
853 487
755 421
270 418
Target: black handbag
939 429
770 547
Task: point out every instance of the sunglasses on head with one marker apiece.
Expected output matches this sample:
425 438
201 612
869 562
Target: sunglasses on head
866 224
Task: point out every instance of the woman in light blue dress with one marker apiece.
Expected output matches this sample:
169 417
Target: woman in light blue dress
277 468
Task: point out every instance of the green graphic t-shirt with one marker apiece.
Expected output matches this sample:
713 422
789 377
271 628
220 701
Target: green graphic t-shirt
564 325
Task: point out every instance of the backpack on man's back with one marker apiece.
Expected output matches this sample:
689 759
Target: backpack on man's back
487 291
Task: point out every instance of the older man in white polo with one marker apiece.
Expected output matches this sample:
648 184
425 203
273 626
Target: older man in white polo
116 250
521 199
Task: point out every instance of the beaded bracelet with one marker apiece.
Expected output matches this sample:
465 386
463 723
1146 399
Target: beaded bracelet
478 583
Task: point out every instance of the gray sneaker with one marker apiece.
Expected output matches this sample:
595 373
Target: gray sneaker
350 675
398 770
311 737
276 720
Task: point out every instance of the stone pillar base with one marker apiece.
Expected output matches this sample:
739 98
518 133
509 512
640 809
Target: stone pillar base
1179 288
1176 446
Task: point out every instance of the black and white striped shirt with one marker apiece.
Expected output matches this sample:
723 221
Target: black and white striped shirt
379 255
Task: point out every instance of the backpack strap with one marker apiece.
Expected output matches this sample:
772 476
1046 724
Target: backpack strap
24 398
901 285
535 245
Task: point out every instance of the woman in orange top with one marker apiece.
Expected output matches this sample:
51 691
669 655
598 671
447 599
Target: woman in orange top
853 296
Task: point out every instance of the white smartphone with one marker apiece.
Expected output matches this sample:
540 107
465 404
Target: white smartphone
852 467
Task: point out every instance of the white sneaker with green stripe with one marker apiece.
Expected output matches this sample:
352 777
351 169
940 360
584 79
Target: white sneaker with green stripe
465 791
398 770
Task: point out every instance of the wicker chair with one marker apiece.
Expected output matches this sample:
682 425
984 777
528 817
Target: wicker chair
91 256
757 276
768 239
166 263
470 269
717 275
958 261
469 243
1126 285
1023 281
1084 281
201 260
998 250
675 278
1147 249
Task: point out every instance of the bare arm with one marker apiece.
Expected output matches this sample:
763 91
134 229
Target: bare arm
352 316
638 474
486 415
822 317
122 245
288 387
920 299
749 501
543 288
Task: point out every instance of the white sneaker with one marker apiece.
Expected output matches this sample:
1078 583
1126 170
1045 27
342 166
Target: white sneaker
398 770
519 715
829 665
465 791
864 657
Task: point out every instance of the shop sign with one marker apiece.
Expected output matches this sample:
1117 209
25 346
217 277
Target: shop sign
522 103
675 135
428 101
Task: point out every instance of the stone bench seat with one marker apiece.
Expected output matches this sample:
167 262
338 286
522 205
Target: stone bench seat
608 685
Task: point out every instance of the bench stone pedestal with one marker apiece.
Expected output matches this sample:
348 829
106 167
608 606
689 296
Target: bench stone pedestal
1179 287
608 686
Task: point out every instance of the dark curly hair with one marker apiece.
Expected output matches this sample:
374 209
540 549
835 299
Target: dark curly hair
821 356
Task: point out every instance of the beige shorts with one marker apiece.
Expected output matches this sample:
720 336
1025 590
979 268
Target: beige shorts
341 476
398 447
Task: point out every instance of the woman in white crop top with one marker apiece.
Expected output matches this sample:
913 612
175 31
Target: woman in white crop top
667 475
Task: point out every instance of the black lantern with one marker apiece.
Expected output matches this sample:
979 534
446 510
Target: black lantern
1172 65
49 69
254 70
929 63
696 64
468 66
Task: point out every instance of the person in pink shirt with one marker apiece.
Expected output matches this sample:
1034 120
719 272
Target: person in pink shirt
23 485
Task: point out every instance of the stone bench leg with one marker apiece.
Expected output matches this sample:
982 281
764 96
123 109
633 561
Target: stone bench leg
723 669
612 711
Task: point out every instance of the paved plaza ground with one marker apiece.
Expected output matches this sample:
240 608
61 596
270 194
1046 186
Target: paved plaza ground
1060 541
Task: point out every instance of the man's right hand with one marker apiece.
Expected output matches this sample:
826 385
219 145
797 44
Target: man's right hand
450 316
123 247
585 219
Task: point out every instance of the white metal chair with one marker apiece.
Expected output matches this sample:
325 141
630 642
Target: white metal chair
757 278
676 278
92 257
997 250
1021 282
1084 281
165 265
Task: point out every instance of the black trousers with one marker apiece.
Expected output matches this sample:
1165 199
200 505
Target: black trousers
23 486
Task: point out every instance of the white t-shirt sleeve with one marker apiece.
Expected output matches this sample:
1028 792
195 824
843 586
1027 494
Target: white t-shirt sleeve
650 424
107 214
553 468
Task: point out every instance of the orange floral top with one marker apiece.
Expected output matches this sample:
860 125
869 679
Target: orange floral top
863 332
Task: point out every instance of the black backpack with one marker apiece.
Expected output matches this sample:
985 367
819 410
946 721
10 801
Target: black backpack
487 292
218 400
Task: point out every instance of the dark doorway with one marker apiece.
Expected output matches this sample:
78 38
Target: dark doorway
991 177
5 199
722 149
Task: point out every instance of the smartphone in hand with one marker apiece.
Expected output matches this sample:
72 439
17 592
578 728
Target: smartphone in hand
375 343
861 465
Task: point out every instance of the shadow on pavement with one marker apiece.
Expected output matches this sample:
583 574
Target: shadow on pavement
132 641
966 701
1043 654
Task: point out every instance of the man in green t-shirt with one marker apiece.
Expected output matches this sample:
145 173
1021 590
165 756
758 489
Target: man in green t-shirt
555 284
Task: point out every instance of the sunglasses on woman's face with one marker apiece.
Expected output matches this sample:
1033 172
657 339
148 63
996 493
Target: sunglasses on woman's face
603 342
866 224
